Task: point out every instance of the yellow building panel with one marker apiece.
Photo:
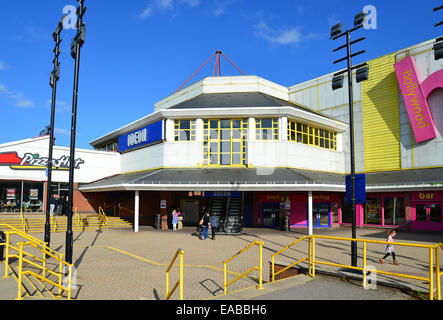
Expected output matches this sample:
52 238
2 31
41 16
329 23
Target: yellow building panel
381 116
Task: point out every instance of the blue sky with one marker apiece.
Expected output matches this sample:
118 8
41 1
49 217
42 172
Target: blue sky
138 52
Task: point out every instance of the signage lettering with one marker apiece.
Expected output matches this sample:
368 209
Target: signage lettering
150 134
427 196
32 161
415 101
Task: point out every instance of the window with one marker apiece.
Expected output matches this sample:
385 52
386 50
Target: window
373 211
306 134
225 142
109 147
184 130
394 211
266 129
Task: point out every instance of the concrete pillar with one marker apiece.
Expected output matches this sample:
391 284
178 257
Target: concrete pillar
170 131
136 210
283 128
199 130
310 220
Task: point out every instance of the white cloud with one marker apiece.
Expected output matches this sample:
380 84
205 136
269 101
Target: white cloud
146 13
283 36
63 132
19 100
192 3
2 65
219 12
165 4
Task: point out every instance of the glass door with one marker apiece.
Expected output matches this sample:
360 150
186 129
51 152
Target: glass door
270 214
320 215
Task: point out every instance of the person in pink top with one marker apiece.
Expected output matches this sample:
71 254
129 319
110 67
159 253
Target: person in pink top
390 247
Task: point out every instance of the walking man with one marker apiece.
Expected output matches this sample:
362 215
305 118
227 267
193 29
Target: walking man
213 222
204 223
52 203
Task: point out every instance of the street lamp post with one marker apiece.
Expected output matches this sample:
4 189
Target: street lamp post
337 82
55 76
75 53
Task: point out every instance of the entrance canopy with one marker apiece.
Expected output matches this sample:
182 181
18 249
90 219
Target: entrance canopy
264 179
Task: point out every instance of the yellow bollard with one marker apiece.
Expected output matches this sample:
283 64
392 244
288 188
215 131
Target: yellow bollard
364 264
260 286
20 270
224 278
273 269
181 275
437 264
313 257
6 256
431 275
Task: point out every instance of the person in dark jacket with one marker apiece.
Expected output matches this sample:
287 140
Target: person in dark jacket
213 222
204 223
52 203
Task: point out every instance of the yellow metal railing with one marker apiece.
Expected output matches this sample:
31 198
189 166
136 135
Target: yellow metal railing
432 250
273 273
34 261
102 216
438 271
79 219
17 251
54 225
179 283
260 267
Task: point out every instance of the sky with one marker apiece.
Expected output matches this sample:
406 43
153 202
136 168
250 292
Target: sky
140 51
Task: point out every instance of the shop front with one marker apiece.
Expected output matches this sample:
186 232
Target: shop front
385 210
426 210
21 196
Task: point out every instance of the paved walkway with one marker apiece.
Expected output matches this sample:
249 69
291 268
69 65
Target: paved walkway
120 264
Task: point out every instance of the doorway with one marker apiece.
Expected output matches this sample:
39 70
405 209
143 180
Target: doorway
270 215
320 215
190 212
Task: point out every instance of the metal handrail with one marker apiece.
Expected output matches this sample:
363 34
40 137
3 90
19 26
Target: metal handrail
78 218
102 216
260 267
60 275
364 269
179 253
273 273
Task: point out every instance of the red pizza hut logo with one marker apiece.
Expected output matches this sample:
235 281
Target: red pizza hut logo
35 162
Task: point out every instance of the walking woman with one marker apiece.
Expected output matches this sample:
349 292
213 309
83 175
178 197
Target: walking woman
174 219
390 247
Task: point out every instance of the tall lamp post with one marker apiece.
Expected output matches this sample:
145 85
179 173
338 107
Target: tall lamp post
55 76
76 45
337 83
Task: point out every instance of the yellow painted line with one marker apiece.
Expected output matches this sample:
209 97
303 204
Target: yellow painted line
153 262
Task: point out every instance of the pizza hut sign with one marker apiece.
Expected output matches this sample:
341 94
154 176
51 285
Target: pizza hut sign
34 162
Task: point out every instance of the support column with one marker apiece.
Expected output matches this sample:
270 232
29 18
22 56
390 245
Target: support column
310 220
136 210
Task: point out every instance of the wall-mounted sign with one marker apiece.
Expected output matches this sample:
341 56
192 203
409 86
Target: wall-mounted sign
360 188
33 194
162 204
32 161
415 99
10 194
232 194
427 196
148 135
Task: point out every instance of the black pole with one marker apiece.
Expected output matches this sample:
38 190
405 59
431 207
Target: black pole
77 43
53 82
351 122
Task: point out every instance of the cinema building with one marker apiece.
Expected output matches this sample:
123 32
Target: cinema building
257 153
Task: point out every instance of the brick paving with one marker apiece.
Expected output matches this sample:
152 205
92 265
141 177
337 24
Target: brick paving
118 264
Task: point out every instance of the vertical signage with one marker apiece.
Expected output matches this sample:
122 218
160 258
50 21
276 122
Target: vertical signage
415 101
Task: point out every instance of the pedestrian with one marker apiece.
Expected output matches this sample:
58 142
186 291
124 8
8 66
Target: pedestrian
65 206
52 203
213 221
174 219
390 247
204 223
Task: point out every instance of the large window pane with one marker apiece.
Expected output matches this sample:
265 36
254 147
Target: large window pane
394 211
346 212
373 211
435 212
420 212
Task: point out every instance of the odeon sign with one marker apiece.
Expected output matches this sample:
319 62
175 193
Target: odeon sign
148 135
415 95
